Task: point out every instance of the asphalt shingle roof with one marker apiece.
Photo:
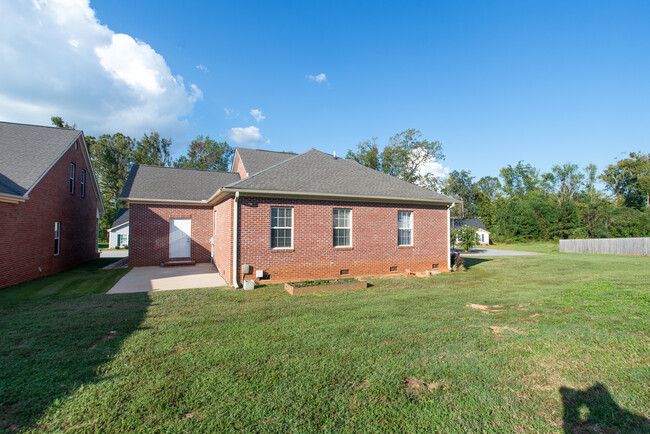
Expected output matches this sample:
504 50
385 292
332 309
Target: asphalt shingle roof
256 160
121 218
476 223
319 173
27 151
169 183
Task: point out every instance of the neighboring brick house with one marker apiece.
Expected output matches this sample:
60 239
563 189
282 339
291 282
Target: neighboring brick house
286 217
49 202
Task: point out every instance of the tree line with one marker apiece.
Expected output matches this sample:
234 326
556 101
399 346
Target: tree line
113 155
522 203
519 204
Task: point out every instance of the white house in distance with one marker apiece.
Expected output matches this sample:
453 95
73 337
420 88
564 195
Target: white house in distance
482 233
118 234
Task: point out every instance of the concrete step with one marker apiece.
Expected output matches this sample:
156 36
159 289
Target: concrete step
179 262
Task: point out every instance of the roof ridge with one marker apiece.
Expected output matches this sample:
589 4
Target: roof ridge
266 150
41 126
262 171
394 177
183 168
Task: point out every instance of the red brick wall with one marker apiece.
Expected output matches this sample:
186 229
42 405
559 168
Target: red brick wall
374 239
240 169
223 239
27 229
149 232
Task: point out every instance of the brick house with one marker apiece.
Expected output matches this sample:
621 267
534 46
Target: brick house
49 202
281 216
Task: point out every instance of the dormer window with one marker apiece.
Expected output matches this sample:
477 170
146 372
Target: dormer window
72 172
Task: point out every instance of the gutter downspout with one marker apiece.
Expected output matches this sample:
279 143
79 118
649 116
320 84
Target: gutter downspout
235 241
449 236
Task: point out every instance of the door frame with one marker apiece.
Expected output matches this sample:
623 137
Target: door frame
171 227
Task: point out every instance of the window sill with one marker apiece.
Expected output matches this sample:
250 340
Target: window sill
282 250
405 247
343 248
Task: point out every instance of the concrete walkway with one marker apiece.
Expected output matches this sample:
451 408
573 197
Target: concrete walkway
122 253
493 252
143 279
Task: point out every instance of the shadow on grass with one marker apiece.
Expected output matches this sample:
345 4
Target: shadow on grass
51 347
470 262
594 410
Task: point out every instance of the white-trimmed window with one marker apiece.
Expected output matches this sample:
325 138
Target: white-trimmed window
281 227
83 183
405 228
342 227
57 238
72 172
122 240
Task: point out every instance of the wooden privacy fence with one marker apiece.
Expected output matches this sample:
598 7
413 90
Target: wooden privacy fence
611 246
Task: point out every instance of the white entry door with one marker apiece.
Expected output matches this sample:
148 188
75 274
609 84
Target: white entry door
180 238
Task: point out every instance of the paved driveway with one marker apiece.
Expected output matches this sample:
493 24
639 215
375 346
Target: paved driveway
143 279
493 252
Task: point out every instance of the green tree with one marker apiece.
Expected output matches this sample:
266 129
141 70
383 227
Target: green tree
565 181
629 180
520 180
367 154
467 236
152 150
57 121
407 154
460 186
405 157
206 154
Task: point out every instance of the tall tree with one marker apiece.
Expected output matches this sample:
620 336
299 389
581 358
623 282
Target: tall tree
460 185
406 156
629 180
57 121
152 150
367 154
520 180
565 181
206 154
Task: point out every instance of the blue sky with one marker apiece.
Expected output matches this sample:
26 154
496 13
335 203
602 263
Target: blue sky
496 82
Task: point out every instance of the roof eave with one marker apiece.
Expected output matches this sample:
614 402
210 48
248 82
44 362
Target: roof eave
12 198
162 201
330 196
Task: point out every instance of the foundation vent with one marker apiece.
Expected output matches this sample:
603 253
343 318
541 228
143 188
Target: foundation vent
393 268
344 272
434 266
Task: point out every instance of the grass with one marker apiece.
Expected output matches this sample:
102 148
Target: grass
531 246
83 280
565 347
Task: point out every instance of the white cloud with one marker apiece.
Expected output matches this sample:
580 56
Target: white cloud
320 78
436 169
257 114
202 68
245 136
57 59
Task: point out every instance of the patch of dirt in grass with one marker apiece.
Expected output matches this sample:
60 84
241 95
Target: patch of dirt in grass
497 330
485 308
417 388
20 344
535 315
110 335
191 415
30 353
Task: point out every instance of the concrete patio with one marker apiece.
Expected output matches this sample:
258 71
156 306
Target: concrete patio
144 279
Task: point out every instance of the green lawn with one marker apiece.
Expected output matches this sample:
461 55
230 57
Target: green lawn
552 342
531 246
